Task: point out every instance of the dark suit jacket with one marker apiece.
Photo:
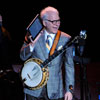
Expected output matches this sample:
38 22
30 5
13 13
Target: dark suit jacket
55 87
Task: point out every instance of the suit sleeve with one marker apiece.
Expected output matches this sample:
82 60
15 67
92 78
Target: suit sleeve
69 68
25 52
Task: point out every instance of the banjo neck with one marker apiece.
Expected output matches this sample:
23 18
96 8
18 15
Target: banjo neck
55 54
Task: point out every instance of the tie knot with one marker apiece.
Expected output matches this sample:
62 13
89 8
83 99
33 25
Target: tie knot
49 37
49 40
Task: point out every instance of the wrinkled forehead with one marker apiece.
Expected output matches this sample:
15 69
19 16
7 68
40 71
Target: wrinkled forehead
53 14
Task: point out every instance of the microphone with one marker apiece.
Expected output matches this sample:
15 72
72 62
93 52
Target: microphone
83 34
81 41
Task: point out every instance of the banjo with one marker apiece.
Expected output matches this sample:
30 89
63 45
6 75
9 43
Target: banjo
35 74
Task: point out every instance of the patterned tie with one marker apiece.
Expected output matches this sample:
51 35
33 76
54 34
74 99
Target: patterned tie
48 43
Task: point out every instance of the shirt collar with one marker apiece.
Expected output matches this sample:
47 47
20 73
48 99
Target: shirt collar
52 35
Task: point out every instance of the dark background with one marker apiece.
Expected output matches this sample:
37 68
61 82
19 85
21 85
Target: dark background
75 16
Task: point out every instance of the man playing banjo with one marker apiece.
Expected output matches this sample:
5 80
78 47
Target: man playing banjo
50 40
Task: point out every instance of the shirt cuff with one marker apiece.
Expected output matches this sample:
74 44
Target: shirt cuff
31 48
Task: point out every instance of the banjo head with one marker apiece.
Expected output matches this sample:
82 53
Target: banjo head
33 75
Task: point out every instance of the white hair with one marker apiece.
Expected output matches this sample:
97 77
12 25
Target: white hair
44 12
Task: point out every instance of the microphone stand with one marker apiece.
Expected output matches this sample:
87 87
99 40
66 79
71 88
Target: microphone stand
84 89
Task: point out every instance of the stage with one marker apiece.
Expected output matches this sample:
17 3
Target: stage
11 85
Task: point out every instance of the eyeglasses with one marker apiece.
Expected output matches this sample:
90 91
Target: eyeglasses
53 21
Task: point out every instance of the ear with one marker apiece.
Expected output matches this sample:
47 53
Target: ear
44 23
